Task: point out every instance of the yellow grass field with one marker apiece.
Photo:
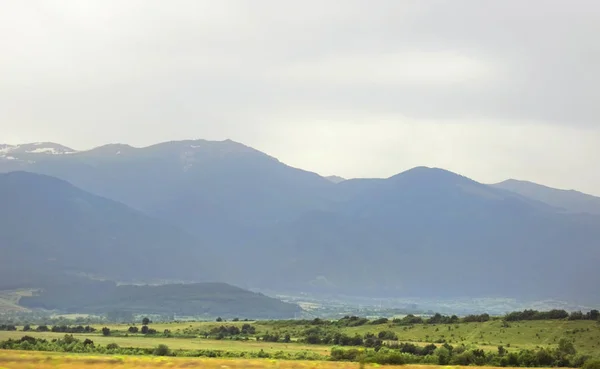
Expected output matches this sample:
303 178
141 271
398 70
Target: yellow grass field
42 360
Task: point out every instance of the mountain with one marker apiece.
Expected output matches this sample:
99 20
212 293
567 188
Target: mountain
423 232
48 228
335 179
11 152
195 299
568 200
432 233
222 192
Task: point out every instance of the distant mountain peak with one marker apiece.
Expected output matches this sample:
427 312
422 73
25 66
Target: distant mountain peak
431 175
48 148
335 179
112 149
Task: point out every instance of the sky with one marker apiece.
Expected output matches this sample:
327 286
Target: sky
490 89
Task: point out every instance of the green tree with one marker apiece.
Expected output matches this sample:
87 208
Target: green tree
162 350
145 321
106 331
112 346
501 351
566 347
443 355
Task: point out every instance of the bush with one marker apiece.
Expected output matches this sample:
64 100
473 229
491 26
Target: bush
379 321
162 350
387 335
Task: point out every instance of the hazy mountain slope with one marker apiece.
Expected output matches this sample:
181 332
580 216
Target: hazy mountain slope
569 200
206 187
48 225
209 299
429 232
425 231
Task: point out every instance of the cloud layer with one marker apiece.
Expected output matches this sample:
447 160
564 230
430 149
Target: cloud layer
491 89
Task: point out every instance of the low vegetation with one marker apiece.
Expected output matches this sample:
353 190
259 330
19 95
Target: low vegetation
478 340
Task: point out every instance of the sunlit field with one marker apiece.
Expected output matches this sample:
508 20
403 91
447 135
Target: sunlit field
38 360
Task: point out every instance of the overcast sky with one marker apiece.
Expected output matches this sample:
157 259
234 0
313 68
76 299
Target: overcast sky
489 89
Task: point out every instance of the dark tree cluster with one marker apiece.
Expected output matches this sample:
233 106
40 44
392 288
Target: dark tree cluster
224 331
7 327
318 335
442 319
72 329
552 314
352 321
147 330
379 321
475 318
408 320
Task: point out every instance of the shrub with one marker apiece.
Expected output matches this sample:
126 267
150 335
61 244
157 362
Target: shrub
387 335
162 350
380 321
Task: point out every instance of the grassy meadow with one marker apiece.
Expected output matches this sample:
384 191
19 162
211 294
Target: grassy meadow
585 335
38 360
174 343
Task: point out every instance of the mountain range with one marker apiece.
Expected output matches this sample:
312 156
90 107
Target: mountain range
222 211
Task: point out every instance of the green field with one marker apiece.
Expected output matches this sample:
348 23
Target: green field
178 343
585 335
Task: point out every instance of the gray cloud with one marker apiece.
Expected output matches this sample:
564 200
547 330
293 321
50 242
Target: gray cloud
387 80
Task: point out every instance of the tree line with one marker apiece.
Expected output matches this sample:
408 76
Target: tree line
551 314
564 355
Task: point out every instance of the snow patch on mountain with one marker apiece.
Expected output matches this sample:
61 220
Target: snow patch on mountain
44 148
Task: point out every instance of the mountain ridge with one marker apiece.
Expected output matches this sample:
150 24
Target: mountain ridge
356 236
569 200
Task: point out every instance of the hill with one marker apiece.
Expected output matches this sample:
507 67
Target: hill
48 227
197 299
568 200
